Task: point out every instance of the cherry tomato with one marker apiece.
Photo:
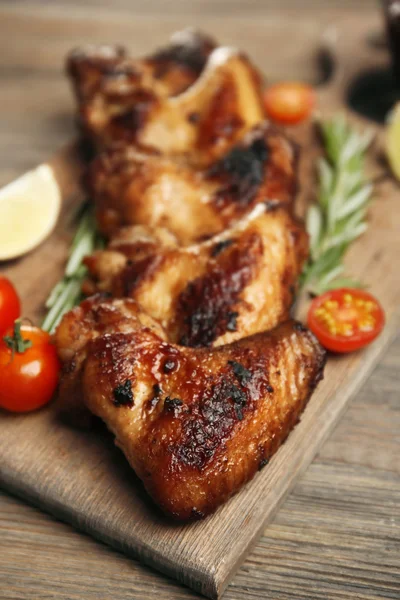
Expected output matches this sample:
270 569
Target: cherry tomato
345 319
28 376
289 103
10 306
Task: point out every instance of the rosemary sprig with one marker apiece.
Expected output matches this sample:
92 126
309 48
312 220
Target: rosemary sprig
339 216
67 293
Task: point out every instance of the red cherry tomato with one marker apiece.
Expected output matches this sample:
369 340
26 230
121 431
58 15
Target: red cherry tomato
345 319
289 103
28 377
10 306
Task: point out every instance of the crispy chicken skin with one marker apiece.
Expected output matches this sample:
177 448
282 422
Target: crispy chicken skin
194 423
111 87
214 113
186 351
202 122
80 325
236 284
190 98
131 187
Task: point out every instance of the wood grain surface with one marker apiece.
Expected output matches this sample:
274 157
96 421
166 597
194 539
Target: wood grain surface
339 536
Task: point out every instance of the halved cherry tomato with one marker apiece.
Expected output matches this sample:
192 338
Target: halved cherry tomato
29 368
10 306
289 103
346 319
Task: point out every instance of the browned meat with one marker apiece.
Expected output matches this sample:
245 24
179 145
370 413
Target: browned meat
196 192
111 87
124 102
206 120
130 187
173 68
76 329
233 285
195 424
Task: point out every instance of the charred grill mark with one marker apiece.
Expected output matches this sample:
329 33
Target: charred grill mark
172 405
205 306
122 394
239 401
241 172
242 374
216 404
210 423
134 273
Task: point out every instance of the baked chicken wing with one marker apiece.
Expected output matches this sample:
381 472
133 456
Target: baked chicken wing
109 85
195 192
194 423
131 187
233 285
143 103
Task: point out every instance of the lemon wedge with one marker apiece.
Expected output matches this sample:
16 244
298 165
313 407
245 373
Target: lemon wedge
29 208
393 140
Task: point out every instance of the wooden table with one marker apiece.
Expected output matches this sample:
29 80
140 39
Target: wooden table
338 534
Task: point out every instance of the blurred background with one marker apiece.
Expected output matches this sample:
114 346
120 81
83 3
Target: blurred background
35 36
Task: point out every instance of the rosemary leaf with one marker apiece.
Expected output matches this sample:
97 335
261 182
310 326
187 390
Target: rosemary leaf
67 293
339 216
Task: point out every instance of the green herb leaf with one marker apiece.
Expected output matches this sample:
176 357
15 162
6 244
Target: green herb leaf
314 227
16 342
67 293
338 218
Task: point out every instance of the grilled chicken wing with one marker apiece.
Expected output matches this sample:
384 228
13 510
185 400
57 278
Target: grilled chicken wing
195 424
233 285
111 87
130 187
188 98
202 122
196 193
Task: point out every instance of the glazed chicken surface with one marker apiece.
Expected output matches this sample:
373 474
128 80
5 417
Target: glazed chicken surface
189 99
130 187
212 293
114 90
186 350
194 423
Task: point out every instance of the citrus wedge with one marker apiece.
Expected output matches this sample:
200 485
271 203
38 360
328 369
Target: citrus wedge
393 140
29 208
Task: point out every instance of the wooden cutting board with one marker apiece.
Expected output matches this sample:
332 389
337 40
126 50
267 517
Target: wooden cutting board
82 478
